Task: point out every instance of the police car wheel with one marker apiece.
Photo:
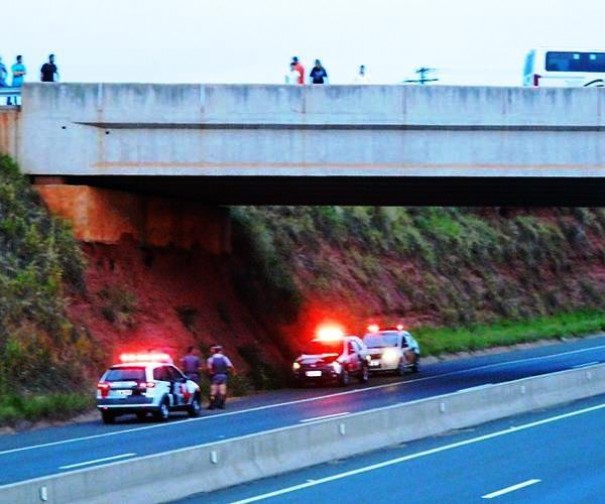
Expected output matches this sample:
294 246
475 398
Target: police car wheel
163 412
365 375
108 417
195 408
401 368
344 378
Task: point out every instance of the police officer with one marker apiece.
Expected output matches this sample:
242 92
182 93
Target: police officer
190 364
218 367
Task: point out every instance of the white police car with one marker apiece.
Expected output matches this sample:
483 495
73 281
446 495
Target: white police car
146 383
392 350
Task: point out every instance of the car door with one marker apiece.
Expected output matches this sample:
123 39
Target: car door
161 375
181 391
353 356
178 386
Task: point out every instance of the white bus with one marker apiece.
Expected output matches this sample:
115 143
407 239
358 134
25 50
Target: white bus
564 68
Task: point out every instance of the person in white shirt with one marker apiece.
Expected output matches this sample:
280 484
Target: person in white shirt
293 76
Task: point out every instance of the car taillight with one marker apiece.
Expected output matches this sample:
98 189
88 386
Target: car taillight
103 388
536 81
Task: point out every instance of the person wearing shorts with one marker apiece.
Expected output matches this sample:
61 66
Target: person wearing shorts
190 365
219 367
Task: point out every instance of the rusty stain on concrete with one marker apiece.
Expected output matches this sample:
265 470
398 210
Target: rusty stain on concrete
104 216
9 132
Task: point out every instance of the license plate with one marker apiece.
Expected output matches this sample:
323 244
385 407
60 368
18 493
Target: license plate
313 374
124 392
375 363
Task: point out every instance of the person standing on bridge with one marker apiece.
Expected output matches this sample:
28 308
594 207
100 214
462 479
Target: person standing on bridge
3 74
19 72
298 67
318 74
218 367
293 76
49 71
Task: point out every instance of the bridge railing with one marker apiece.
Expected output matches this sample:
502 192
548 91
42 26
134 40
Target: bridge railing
10 91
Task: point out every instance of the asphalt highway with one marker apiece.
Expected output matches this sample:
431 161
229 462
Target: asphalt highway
548 457
56 450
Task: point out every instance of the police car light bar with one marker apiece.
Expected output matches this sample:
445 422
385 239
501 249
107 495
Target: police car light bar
145 357
327 333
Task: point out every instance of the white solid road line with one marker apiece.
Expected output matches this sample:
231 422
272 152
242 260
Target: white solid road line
297 401
510 489
333 415
478 387
585 365
418 455
90 462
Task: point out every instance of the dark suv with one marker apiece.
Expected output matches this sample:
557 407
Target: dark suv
334 359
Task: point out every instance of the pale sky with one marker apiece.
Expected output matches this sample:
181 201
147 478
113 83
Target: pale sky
474 42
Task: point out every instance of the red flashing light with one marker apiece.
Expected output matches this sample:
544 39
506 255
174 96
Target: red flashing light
330 332
103 388
373 328
400 327
145 357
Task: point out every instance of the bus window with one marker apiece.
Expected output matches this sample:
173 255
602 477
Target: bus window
596 62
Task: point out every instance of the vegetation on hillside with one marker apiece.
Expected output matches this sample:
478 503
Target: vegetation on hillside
40 350
426 266
460 278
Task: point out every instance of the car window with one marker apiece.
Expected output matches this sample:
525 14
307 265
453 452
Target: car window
161 374
175 374
135 373
320 347
381 340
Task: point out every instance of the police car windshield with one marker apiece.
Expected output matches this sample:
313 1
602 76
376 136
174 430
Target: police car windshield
134 373
319 347
381 340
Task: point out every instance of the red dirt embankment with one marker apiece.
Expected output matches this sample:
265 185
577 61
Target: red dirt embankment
161 298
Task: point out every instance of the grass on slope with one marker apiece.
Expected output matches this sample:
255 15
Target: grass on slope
434 341
438 341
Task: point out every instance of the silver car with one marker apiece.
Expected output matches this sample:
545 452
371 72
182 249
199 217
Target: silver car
146 387
392 350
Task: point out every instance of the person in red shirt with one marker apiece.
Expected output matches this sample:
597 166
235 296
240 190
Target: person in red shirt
300 69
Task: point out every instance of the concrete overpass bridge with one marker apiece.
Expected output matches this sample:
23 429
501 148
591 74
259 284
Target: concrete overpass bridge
308 145
383 145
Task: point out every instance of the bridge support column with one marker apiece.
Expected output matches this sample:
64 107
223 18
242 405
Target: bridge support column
102 215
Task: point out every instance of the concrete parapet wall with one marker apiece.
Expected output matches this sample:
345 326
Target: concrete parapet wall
269 130
101 215
169 476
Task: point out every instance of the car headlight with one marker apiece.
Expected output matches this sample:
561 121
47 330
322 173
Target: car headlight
390 355
296 366
336 366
